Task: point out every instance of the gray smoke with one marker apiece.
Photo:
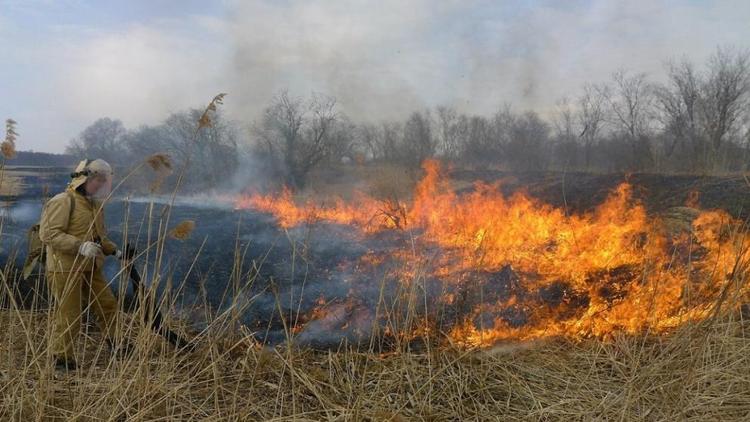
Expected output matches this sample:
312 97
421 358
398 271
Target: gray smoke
380 59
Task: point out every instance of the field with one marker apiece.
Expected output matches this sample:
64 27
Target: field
300 321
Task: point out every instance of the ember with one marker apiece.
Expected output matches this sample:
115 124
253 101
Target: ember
515 268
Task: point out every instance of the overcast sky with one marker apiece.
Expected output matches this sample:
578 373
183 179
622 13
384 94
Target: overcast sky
67 63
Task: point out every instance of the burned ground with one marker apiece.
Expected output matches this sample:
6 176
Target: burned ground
581 192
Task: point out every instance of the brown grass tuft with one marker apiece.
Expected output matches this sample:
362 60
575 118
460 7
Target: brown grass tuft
182 230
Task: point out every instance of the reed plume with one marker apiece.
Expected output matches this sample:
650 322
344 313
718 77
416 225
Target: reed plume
8 146
159 162
205 119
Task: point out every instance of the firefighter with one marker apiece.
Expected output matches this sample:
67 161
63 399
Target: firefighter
72 230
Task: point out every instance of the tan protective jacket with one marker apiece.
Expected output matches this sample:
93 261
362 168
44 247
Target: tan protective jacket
63 231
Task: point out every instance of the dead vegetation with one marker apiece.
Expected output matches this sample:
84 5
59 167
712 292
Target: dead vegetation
698 373
11 183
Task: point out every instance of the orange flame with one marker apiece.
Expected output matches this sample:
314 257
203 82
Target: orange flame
620 267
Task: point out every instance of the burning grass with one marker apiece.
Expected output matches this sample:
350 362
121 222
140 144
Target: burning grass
514 268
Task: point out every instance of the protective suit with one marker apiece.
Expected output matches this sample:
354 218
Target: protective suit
70 220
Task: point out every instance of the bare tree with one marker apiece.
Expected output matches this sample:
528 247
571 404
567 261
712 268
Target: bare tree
630 102
480 148
565 122
529 140
370 140
297 132
700 112
419 143
678 104
392 140
591 119
102 139
448 131
382 141
725 93
341 140
214 148
485 141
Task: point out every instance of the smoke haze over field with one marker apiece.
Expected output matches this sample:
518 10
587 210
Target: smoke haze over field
69 63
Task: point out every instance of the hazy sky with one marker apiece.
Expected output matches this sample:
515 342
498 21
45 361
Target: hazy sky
67 63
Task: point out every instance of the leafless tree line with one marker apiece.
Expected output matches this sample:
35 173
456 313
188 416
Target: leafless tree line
214 149
696 120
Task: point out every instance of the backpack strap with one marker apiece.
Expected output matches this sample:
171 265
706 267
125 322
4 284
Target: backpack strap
72 207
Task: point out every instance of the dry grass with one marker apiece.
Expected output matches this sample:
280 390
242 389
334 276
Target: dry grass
11 183
698 373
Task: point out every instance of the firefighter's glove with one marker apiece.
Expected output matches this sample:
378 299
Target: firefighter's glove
90 250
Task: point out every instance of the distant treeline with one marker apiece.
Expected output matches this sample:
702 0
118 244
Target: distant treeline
211 153
697 121
42 159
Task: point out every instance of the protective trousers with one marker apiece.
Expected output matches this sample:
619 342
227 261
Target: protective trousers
74 293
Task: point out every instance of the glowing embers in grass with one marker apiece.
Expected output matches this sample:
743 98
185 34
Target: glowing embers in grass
513 267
